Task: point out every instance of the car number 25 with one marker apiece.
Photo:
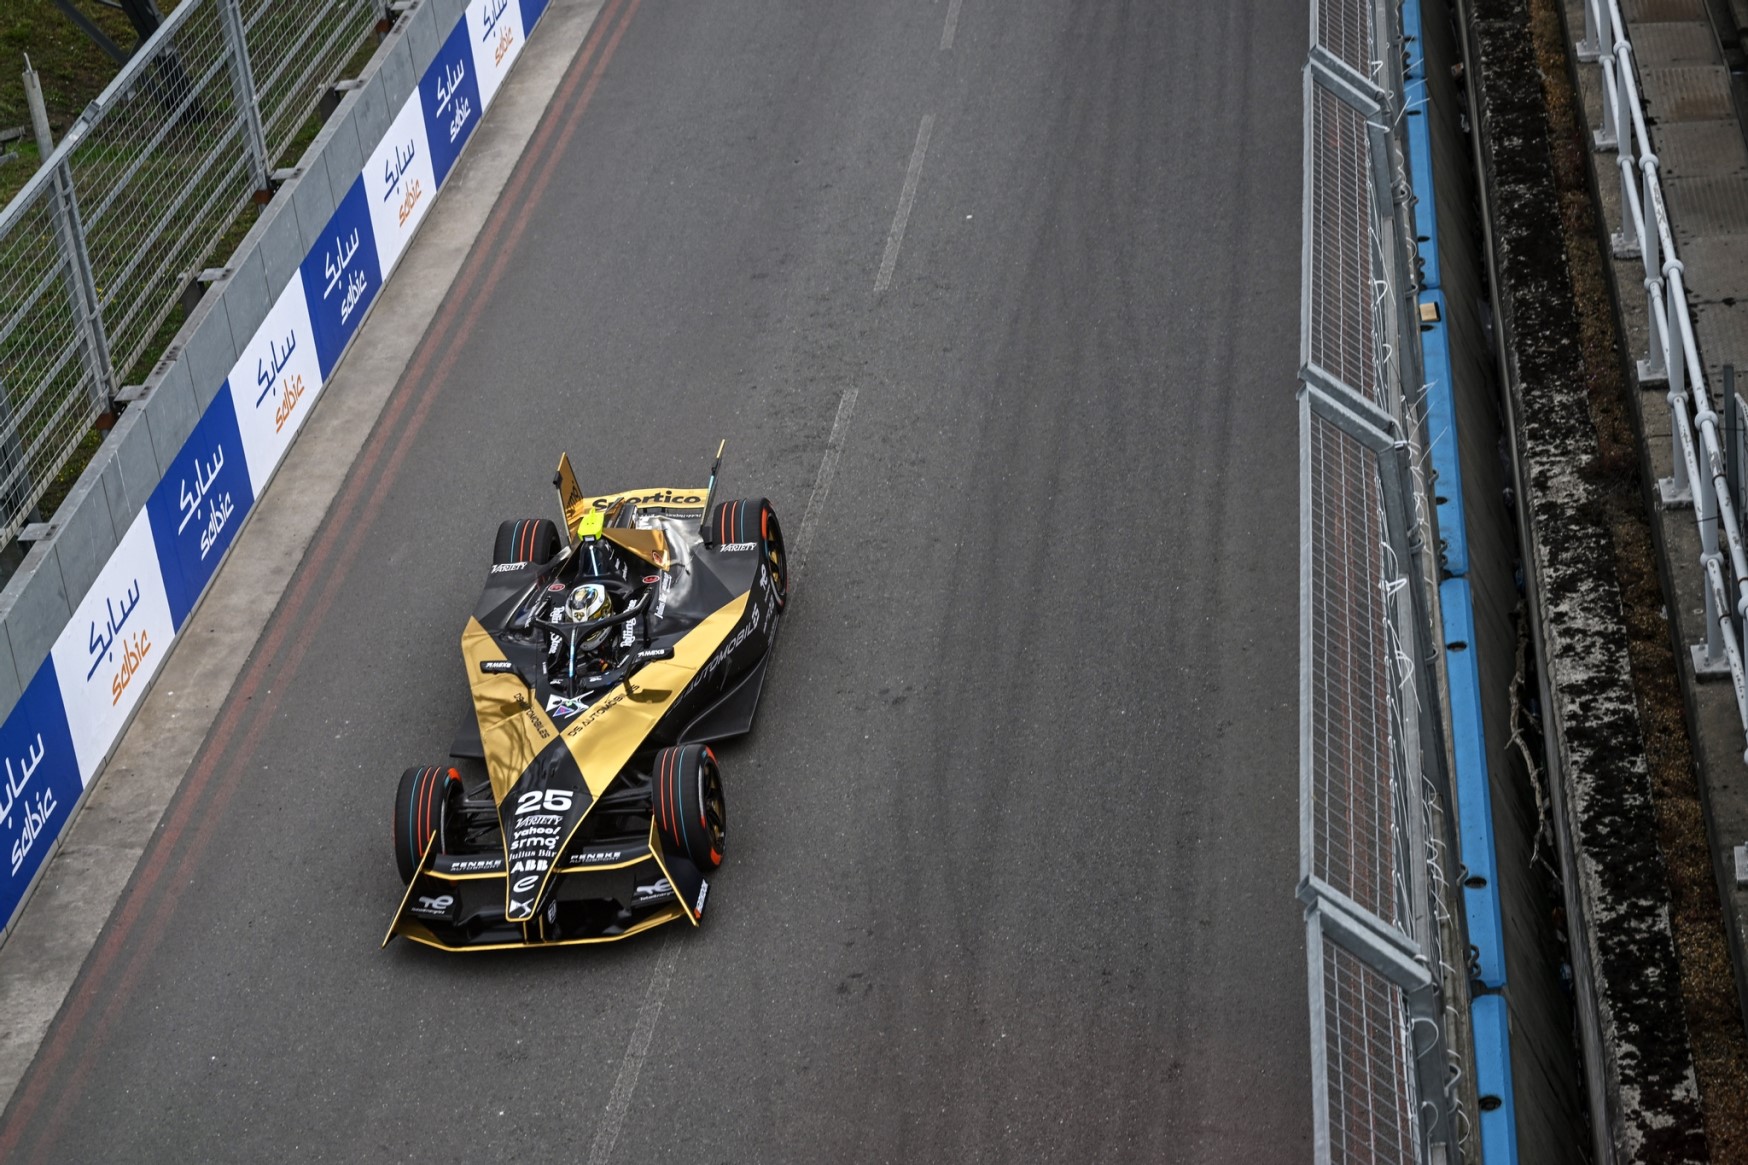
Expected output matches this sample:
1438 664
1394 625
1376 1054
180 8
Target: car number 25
547 800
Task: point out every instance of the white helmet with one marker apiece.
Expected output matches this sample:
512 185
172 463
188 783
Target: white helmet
586 603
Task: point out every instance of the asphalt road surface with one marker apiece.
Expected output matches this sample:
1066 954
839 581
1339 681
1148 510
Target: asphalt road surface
997 301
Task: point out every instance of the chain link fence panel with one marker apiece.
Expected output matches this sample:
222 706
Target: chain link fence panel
98 249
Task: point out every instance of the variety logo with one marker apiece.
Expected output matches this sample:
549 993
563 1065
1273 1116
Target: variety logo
733 547
506 567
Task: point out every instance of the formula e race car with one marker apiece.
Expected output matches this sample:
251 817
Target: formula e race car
583 802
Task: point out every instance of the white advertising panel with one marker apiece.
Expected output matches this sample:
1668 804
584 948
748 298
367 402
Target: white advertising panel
119 635
401 183
274 383
495 28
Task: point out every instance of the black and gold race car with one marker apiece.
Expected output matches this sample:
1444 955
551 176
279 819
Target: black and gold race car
582 802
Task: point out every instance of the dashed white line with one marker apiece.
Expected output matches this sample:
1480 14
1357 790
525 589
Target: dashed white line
607 1133
895 239
822 484
662 975
952 25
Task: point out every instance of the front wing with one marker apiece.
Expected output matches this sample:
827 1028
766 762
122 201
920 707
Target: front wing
601 891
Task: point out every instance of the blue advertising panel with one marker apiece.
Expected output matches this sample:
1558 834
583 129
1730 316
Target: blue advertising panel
531 10
449 92
341 276
39 784
200 504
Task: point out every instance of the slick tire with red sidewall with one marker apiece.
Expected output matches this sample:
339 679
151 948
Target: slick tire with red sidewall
424 805
689 810
753 520
525 540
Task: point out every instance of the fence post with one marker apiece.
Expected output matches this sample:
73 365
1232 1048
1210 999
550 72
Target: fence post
82 295
1589 49
1653 368
243 87
1732 435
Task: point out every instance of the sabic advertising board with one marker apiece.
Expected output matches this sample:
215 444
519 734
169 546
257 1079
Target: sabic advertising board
39 784
449 98
341 276
531 13
200 504
495 27
109 652
400 183
275 382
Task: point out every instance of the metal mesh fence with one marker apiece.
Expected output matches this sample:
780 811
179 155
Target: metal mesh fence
1343 333
161 174
1366 1049
97 249
1352 772
45 403
295 50
1371 898
1344 29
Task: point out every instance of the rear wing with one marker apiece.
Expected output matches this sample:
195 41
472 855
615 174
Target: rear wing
576 506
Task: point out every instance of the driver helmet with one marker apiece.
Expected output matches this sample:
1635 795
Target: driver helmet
585 603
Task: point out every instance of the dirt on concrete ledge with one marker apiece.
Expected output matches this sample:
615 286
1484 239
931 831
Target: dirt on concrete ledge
1708 988
1620 882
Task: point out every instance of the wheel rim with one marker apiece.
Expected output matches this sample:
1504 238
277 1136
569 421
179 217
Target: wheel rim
773 535
712 808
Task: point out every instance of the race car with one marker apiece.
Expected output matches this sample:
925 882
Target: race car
583 801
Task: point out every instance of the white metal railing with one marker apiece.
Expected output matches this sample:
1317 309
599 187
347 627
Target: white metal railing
1698 477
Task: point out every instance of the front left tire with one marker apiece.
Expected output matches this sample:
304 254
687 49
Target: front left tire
690 813
427 802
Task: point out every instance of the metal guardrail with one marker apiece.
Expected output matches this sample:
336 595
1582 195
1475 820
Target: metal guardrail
1374 827
98 247
1700 474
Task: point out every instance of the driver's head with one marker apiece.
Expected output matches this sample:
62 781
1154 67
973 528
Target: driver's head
586 603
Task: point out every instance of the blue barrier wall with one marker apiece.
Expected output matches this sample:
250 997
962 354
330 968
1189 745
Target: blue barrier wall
1489 1017
73 710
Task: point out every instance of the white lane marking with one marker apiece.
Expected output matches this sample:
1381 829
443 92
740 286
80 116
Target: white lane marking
662 976
895 239
642 1033
822 484
952 25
